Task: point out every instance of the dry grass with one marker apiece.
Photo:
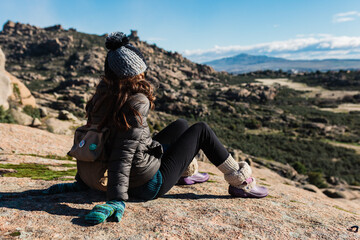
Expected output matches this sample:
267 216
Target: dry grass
344 108
317 92
356 147
311 91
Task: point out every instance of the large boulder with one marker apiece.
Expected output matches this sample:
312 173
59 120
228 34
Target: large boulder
191 169
21 93
333 193
12 87
2 60
66 115
21 117
59 126
5 90
5 83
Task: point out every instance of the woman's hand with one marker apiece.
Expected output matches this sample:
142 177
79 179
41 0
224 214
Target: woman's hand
102 212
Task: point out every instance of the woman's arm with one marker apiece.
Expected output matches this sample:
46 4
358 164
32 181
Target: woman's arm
124 148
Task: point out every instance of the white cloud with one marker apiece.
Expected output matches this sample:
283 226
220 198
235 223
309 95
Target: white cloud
346 16
344 19
319 46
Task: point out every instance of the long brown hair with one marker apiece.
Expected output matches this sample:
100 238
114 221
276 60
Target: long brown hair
118 92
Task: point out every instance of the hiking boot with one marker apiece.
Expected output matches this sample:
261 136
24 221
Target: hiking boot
249 189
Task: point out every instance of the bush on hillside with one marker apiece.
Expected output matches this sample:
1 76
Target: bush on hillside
317 179
299 167
31 111
5 116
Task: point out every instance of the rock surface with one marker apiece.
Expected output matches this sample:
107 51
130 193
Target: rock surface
11 87
5 90
201 211
192 169
5 84
2 60
59 126
22 94
21 117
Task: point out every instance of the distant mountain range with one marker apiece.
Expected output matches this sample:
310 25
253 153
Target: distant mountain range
248 63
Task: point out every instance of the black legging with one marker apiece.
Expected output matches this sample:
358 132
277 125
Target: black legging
184 143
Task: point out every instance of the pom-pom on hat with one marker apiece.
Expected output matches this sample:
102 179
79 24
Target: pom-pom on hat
124 59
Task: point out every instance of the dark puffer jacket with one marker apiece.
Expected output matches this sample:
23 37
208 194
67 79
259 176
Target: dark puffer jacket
134 155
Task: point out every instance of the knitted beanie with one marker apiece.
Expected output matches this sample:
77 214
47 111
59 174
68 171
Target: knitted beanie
124 59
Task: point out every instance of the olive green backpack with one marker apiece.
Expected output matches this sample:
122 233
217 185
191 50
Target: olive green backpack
90 143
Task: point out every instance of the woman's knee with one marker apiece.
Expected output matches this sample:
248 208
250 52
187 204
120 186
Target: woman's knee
201 125
181 123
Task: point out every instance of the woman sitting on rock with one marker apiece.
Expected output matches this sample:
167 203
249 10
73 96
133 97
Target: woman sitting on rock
137 165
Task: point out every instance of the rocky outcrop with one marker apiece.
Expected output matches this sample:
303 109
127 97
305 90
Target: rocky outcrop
11 27
88 62
250 92
55 46
61 126
20 117
12 87
20 94
64 60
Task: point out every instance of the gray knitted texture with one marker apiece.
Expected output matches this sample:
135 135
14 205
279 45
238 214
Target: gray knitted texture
125 62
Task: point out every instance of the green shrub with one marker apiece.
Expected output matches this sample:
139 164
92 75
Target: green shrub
157 126
15 234
31 111
151 128
233 127
299 167
235 79
16 91
252 123
355 183
317 179
5 116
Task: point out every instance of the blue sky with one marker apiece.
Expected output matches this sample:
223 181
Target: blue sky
203 30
